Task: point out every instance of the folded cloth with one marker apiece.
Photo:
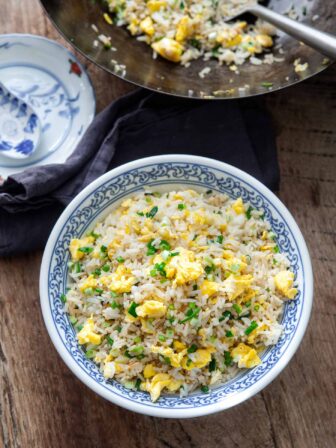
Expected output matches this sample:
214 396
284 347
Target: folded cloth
137 125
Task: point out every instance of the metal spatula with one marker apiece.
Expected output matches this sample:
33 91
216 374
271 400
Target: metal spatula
323 42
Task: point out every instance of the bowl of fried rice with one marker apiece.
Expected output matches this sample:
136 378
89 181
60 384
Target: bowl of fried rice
176 286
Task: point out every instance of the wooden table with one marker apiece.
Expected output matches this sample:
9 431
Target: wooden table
43 405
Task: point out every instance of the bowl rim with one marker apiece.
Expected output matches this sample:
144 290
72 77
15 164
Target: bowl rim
166 412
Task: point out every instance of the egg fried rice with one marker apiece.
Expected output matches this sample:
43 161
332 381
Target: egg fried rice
183 30
176 291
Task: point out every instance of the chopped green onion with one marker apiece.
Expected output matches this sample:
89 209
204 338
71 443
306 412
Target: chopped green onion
140 213
191 314
106 268
170 333
174 254
138 350
171 319
152 212
90 354
251 328
164 245
114 294
151 250
248 304
79 327
103 249
220 239
159 267
119 328
208 269
63 298
248 212
115 305
171 306
181 206
195 287
99 291
256 307
227 359
192 348
138 384
276 249
94 235
86 250
267 84
110 341
189 361
120 259
78 267
73 320
208 192
161 338
226 314
97 272
212 365
205 389
229 334
237 308
137 339
132 309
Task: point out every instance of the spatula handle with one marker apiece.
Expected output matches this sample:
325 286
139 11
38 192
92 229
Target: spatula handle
323 42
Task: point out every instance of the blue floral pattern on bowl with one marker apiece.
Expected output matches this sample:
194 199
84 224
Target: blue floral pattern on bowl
171 175
19 126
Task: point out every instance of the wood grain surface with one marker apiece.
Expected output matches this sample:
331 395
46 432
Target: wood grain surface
43 405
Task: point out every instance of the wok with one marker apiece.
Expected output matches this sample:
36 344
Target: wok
74 19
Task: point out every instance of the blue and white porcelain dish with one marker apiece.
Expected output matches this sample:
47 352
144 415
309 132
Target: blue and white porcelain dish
171 172
19 126
52 81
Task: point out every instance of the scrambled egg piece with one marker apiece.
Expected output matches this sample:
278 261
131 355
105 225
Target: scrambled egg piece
151 308
179 346
155 5
229 38
238 206
87 334
147 26
284 283
159 382
175 358
149 371
202 357
236 285
184 29
122 280
209 288
245 356
77 244
169 49
90 282
183 267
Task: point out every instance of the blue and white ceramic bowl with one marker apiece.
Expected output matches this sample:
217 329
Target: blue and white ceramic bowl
173 171
46 76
